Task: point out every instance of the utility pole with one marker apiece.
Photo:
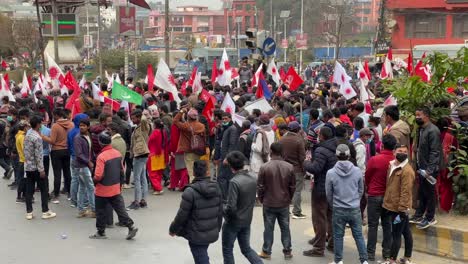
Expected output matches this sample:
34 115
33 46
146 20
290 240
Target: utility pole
41 39
99 37
55 30
166 32
285 37
87 31
302 33
271 17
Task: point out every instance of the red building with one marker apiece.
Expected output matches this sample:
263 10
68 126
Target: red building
367 14
247 11
425 22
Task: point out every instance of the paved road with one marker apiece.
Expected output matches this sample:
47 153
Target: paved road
40 241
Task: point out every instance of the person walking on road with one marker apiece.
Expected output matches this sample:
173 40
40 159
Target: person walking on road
200 214
293 152
276 187
109 176
344 188
238 211
34 168
397 201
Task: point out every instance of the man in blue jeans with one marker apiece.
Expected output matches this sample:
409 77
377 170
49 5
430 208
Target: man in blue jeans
344 188
83 165
238 210
276 187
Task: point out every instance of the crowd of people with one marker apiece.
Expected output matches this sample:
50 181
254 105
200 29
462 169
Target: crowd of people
362 166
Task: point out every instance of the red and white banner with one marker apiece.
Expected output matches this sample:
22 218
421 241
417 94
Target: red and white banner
301 41
284 43
126 20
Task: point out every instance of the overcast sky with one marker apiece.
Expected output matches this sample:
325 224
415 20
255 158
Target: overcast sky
212 4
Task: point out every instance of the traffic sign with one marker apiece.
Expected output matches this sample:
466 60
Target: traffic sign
269 46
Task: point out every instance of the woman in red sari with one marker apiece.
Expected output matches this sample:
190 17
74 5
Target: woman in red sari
158 157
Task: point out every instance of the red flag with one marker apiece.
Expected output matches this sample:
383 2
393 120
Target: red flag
76 108
7 80
183 88
279 92
150 73
366 69
292 79
410 63
214 72
4 64
115 105
282 73
234 73
30 82
70 82
422 70
192 76
390 54
208 110
140 3
204 95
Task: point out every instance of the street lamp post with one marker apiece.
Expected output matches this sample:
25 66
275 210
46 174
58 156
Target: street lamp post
285 16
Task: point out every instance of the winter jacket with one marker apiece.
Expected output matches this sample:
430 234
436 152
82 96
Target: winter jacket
376 173
73 132
200 214
59 133
401 131
240 202
230 141
186 130
109 172
245 143
140 137
398 195
312 134
361 154
20 145
256 160
83 153
324 159
293 150
276 183
118 143
429 149
344 185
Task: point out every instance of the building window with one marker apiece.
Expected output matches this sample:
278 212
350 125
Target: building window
238 7
366 11
248 7
177 29
460 26
203 29
425 26
365 19
247 22
188 29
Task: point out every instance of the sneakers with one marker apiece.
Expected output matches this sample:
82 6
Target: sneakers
20 200
55 200
48 214
132 231
143 204
81 214
288 255
313 253
365 262
90 214
126 186
341 262
425 223
9 173
415 220
72 205
29 216
405 261
98 236
264 255
298 216
158 193
133 206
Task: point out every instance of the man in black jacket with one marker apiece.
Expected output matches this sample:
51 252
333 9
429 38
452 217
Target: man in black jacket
428 159
229 143
324 158
200 214
238 211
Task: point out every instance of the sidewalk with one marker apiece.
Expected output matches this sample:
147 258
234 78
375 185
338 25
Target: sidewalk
448 238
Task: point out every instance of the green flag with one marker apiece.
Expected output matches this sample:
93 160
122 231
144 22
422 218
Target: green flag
122 93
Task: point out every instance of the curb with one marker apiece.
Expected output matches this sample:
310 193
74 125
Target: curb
441 241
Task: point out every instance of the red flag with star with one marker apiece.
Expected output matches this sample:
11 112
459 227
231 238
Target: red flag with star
292 79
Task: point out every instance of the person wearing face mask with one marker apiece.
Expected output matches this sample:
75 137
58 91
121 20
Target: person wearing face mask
365 136
396 127
428 159
397 201
229 143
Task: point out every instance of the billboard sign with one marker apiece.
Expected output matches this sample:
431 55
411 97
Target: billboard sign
301 41
126 20
67 25
88 41
284 43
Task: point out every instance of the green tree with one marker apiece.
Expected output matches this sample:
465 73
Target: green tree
114 59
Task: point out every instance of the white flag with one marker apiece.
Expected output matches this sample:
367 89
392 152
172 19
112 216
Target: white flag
5 90
273 71
197 85
117 78
55 71
347 90
224 72
82 83
25 85
97 94
340 76
261 104
238 119
228 104
256 77
165 80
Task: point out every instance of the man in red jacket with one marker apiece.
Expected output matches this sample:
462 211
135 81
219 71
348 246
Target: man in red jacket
376 182
108 177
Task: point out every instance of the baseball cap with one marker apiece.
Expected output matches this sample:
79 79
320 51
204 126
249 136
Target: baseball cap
293 125
365 132
343 150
